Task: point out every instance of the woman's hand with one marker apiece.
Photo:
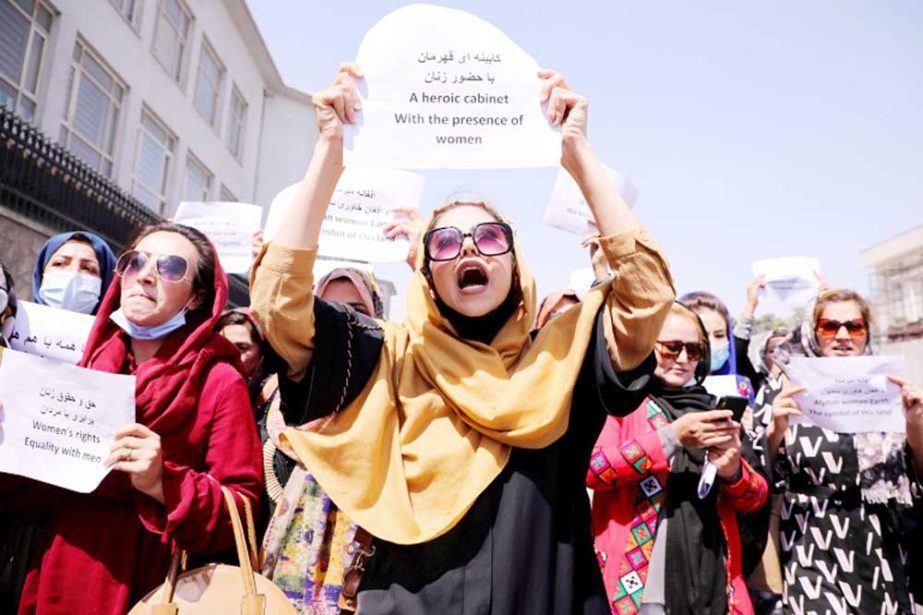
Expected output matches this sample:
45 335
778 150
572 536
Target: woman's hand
705 429
410 227
565 108
137 451
726 457
912 400
597 256
753 295
339 104
783 407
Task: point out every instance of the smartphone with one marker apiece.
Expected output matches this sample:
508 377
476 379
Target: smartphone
737 405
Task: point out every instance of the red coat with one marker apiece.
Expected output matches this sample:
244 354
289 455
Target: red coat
107 549
628 470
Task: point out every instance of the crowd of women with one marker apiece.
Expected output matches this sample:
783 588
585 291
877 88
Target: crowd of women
440 464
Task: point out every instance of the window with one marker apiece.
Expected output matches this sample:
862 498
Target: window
198 180
156 147
227 195
130 10
208 84
24 29
91 116
237 123
171 35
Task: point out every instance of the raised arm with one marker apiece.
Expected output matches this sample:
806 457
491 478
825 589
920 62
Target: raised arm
280 285
642 289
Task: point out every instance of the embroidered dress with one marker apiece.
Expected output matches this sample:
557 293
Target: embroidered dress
629 469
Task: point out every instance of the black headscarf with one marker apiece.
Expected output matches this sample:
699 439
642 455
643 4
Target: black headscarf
695 578
695 571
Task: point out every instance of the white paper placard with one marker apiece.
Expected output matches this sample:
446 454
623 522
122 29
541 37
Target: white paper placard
568 210
790 281
229 225
849 394
50 332
444 89
60 420
362 205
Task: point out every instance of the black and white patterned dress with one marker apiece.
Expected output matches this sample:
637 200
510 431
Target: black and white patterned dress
846 501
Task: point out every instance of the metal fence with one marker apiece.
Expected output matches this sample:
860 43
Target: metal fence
44 182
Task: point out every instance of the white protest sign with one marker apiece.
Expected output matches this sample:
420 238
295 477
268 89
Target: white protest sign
50 332
362 205
790 280
568 210
60 420
581 280
229 225
849 394
444 89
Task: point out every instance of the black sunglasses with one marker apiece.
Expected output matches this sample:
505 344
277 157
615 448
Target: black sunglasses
490 239
170 267
673 348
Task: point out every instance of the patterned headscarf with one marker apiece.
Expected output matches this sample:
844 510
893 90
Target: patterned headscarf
365 285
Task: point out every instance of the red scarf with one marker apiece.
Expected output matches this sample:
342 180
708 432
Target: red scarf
168 384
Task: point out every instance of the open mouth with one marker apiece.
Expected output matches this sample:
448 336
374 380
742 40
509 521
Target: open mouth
472 277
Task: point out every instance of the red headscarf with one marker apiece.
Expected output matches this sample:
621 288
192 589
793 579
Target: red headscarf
168 384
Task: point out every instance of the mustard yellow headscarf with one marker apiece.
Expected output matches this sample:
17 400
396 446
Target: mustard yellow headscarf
436 422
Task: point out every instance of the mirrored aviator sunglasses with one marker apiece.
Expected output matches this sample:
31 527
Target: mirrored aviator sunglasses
170 267
490 239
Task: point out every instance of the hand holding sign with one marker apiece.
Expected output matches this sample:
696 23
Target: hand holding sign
339 104
849 394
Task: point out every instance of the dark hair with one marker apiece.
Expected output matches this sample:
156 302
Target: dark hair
236 317
701 299
203 282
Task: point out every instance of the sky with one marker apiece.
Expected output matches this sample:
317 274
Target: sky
752 130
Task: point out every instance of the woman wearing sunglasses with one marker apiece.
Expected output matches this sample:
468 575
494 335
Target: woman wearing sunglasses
453 439
843 542
100 552
662 545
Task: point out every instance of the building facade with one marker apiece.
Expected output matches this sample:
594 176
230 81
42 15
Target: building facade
897 296
167 100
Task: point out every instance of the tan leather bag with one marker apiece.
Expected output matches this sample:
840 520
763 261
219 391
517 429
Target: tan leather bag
217 588
768 575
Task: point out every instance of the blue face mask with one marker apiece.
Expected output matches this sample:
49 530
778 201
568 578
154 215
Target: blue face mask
719 356
154 332
75 292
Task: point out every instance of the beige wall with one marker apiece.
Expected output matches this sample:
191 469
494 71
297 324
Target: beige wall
20 241
912 352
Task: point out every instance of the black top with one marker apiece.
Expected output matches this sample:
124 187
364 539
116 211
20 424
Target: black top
526 545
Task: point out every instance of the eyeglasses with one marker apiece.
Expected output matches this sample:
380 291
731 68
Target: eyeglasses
673 348
170 267
490 239
829 328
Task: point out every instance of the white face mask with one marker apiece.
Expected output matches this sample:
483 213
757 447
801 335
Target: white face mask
153 332
75 292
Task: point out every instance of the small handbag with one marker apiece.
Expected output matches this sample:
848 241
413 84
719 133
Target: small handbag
219 588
